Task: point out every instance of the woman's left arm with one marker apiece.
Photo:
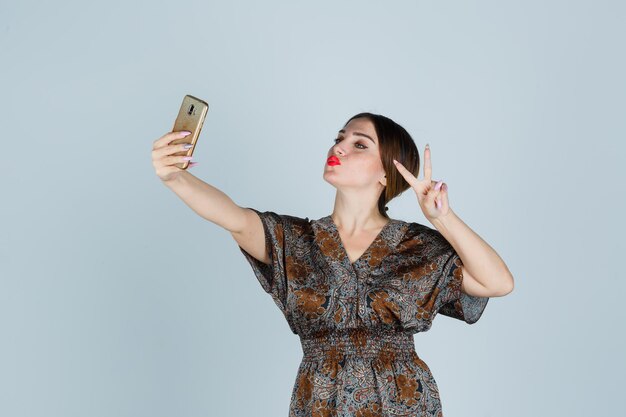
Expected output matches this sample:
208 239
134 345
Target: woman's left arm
484 272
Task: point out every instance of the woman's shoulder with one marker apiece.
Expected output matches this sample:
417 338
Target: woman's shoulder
415 228
296 224
424 234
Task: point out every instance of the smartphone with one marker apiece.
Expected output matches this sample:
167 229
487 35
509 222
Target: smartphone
190 118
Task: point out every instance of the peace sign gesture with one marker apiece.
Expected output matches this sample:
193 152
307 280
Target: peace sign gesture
431 195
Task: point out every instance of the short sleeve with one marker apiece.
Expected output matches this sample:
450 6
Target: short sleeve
448 298
272 276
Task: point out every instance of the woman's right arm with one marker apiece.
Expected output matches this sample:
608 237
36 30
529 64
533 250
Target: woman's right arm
243 224
207 201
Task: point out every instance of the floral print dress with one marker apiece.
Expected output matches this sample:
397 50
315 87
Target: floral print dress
356 320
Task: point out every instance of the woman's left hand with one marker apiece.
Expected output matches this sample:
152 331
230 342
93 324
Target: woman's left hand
431 195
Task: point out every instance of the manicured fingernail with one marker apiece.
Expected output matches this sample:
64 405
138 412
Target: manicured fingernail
445 187
193 164
185 133
437 203
427 146
438 185
395 162
187 146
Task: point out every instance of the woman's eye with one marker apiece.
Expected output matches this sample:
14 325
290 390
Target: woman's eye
363 146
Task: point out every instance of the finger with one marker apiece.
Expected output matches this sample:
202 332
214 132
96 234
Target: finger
428 170
434 194
431 198
168 137
167 150
443 195
432 185
408 176
170 160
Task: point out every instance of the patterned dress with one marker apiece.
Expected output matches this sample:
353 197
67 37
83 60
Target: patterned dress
356 320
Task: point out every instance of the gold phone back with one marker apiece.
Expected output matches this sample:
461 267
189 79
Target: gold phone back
191 118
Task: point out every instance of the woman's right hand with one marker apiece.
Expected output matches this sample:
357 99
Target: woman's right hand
162 159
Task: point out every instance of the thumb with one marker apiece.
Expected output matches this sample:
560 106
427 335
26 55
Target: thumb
434 193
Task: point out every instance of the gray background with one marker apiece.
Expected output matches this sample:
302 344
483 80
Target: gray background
117 300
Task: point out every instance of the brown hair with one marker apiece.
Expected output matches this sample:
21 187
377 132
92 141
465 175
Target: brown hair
394 143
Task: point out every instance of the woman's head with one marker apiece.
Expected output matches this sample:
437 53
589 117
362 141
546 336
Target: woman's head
365 148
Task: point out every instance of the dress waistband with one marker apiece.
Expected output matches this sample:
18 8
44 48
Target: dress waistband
361 342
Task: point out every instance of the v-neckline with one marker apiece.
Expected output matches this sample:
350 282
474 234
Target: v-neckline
335 230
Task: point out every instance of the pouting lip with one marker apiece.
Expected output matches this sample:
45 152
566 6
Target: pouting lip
333 160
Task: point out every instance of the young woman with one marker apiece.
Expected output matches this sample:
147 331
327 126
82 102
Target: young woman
356 285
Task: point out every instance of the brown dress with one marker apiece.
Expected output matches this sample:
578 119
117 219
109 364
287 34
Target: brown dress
356 320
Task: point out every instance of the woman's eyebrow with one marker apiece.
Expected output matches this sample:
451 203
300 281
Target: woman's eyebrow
358 134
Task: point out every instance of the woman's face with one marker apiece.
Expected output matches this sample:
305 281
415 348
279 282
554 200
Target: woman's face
357 152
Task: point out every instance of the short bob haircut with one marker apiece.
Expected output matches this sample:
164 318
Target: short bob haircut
394 143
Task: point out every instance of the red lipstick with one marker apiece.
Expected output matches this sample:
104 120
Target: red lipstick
333 160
